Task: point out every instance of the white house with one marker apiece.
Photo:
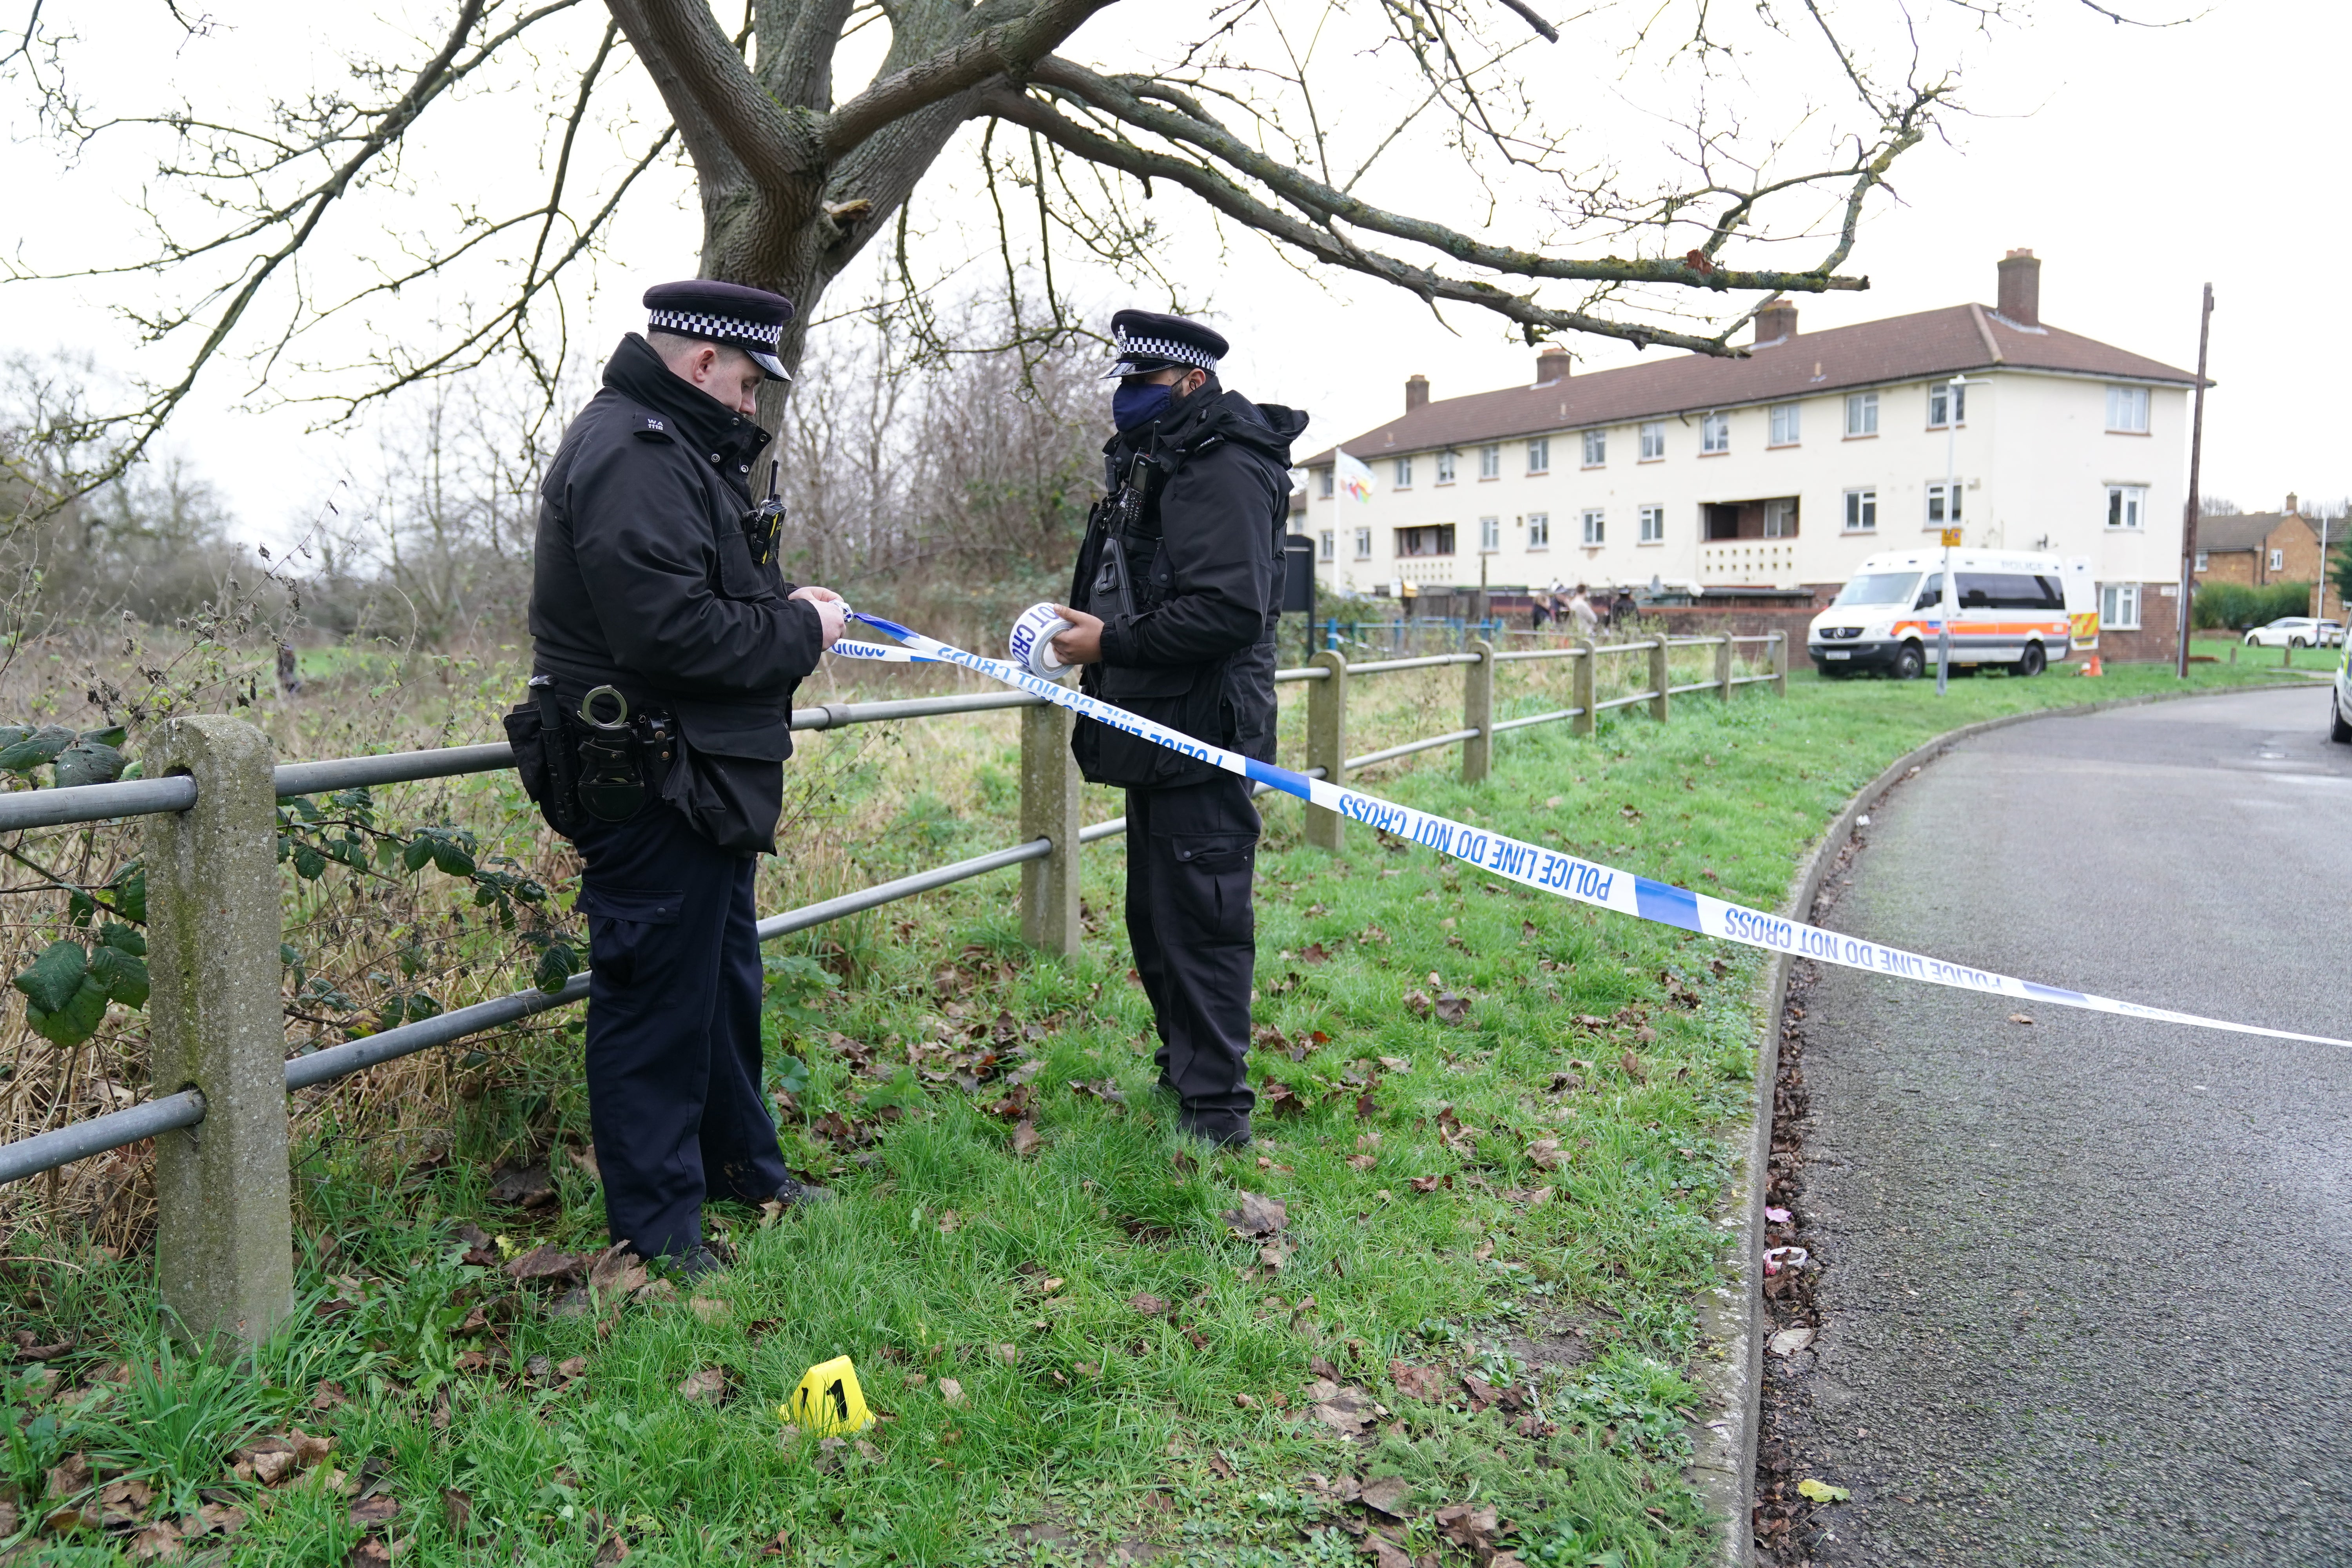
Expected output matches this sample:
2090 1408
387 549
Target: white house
1783 469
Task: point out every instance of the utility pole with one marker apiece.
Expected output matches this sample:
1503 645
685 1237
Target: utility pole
2196 456
1955 390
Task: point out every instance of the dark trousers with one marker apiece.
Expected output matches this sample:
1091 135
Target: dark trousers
675 1079
1191 856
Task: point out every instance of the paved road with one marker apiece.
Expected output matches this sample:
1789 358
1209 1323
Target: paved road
2089 1293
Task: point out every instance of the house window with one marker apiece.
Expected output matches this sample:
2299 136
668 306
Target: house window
1784 424
1653 440
1540 455
1715 433
1445 467
2278 560
1862 414
1939 514
1596 449
1363 545
2124 505
1434 539
2201 561
1595 528
1323 545
1490 534
1327 483
1490 462
1539 531
1404 473
1653 525
2127 409
2119 606
1780 518
1861 511
1947 405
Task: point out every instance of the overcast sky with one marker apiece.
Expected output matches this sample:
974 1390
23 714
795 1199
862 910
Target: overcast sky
2138 163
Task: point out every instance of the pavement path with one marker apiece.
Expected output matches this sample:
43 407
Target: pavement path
2088 1294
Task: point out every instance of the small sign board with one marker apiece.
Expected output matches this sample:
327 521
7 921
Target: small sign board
1951 539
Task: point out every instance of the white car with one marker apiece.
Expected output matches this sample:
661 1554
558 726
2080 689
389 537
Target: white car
2339 702
2296 631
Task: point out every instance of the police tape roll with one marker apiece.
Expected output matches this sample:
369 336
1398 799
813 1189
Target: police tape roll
1031 642
1565 875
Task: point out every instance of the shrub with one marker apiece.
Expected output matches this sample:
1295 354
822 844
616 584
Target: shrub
2234 606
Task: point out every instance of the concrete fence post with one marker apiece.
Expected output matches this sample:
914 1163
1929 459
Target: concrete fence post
1660 678
1581 684
1780 664
1723 663
1049 809
1478 713
1327 743
225 1232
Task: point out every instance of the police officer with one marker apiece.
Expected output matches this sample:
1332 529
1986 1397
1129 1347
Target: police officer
666 649
1173 615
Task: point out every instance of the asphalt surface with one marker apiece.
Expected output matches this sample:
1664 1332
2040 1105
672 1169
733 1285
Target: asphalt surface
2088 1294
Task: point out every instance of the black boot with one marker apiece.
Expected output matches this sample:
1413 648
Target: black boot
1226 1128
795 1193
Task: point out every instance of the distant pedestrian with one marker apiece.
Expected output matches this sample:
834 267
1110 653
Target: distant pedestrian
1580 606
1539 611
289 670
1623 611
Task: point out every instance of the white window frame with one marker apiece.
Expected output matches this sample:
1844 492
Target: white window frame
2119 606
1861 513
1325 544
1490 462
1934 517
2128 408
1403 472
1596 525
1329 483
1490 534
1363 545
1939 392
2278 561
2127 507
1653 525
1540 455
1539 531
1777 514
1860 415
1787 424
1445 467
1596 449
1714 434
1653 441
2203 564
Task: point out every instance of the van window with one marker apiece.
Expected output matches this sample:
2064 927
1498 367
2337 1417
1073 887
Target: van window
1931 591
2010 591
1878 588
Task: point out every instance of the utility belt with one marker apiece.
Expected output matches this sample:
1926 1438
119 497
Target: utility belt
600 762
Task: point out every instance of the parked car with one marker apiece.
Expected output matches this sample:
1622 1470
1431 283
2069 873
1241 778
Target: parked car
2296 631
2010 612
2339 702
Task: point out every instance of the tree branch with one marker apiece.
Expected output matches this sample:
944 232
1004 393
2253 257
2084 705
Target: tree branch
1008 49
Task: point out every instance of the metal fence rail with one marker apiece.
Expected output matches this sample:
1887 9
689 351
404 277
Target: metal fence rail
214 1019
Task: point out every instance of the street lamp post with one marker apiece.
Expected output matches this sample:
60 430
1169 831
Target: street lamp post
1954 390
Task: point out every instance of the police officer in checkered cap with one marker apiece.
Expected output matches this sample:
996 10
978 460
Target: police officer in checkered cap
666 646
1173 611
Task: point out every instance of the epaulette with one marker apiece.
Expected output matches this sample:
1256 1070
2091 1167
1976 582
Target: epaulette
651 428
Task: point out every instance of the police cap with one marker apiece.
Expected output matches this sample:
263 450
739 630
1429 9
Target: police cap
729 314
1145 342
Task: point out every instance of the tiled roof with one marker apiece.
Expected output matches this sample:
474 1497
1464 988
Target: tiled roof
2230 530
1806 365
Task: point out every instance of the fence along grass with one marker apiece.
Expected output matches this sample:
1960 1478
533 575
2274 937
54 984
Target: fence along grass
227 1020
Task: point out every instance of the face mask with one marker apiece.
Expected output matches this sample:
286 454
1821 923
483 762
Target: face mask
1138 403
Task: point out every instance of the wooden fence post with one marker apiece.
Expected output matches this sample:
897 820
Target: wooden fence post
1049 809
1581 685
1723 663
1780 664
1660 678
224 1221
1478 713
1327 742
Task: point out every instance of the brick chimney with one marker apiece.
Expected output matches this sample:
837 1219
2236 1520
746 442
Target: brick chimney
2293 509
2021 289
1552 364
1775 321
1416 392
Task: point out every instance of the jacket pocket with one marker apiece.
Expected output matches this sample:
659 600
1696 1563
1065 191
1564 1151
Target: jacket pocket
739 576
620 923
1122 681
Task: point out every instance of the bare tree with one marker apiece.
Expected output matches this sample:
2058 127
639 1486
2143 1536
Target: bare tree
797 178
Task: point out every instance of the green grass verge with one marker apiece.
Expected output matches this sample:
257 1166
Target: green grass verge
1524 1196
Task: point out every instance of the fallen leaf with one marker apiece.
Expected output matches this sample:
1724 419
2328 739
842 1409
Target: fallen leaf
1451 1009
572 1369
310 1450
1418 1382
618 1272
1632 1066
1150 1306
1821 1491
1349 1412
709 1309
951 1392
368 1512
226 1518
1789 1342
1397 1064
585 1160
459 1506
1466 1526
2019 1018
1545 1155
1387 1554
1009 1354
546 1264
865 1450
1224 1471
1362 1162
1245 1402
159 1540
1776 1216
1387 1495
1258 1215
527 1187
1425 1183
708 1383
1025 1138
369 1554
328 1396
127 1498
70 1476
615 1550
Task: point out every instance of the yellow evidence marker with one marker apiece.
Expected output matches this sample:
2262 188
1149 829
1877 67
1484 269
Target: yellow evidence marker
828 1402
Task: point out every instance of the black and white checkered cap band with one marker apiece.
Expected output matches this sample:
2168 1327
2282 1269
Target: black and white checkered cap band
719 329
1162 349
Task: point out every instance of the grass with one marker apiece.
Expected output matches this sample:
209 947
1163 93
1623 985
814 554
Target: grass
1001 1235
2226 647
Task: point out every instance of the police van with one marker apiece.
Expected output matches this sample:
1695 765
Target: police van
2010 610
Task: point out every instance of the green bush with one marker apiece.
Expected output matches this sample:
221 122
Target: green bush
2234 606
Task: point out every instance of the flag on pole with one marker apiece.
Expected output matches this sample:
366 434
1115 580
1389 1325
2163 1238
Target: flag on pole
1353 477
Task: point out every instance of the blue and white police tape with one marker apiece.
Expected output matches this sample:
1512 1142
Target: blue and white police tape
1569 877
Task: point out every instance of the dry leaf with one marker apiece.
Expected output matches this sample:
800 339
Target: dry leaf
328 1396
586 1159
1009 1354
2019 1018
530 1187
1821 1491
546 1264
709 1309
1789 1342
951 1392
1472 1528
1387 1495
1632 1066
159 1540
865 1450
459 1507
1387 1554
1418 1382
370 1512
1150 1306
1025 1138
1545 1155
1362 1162
615 1550
573 1369
1245 1402
226 1518
369 1554
1217 1466
1258 1215
617 1272
708 1383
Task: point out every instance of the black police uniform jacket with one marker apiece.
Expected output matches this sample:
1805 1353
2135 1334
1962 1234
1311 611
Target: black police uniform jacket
1204 558
644 579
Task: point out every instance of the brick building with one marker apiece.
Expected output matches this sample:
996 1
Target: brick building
2256 548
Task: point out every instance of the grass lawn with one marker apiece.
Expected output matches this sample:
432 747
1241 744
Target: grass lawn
1445 1307
2227 648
